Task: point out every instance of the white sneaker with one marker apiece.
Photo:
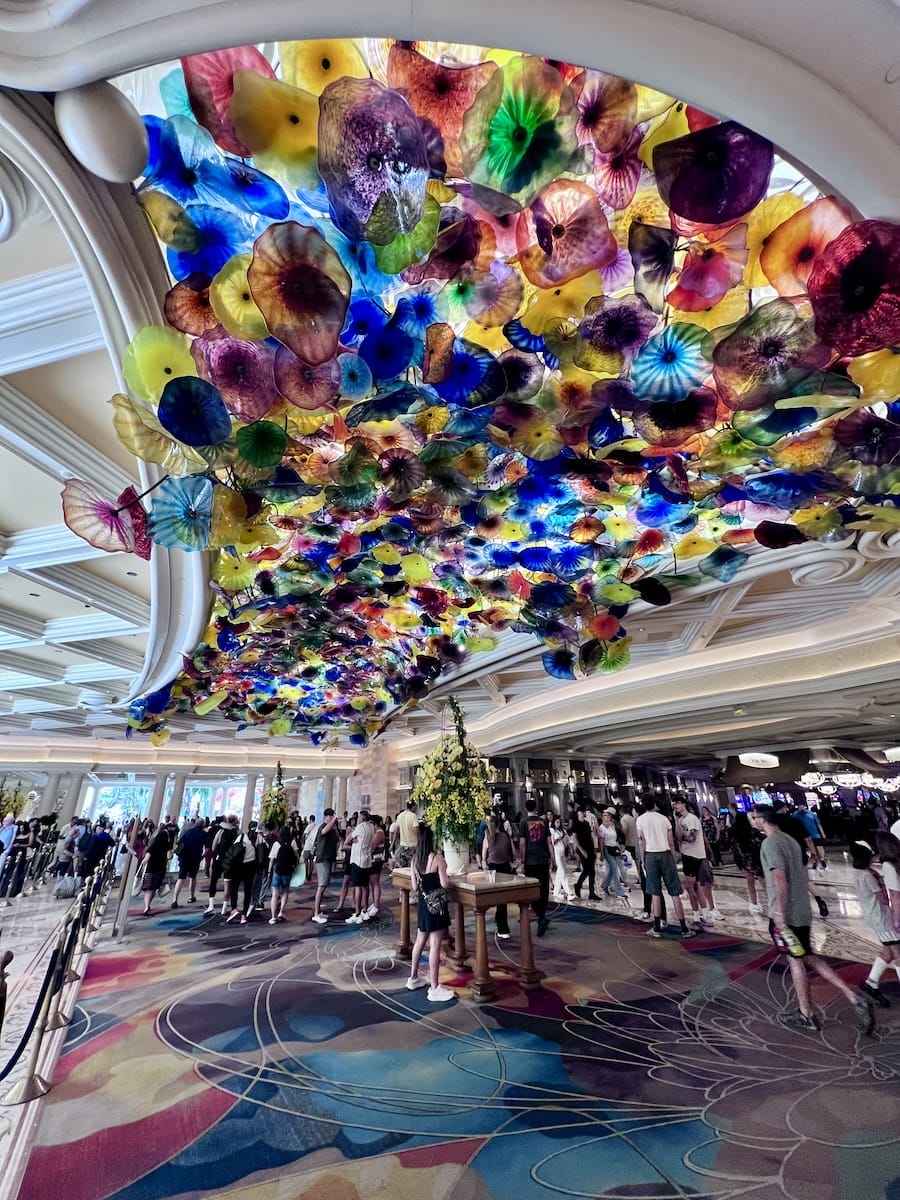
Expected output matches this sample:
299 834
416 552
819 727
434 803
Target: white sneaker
210 908
642 916
417 981
439 994
504 936
354 919
371 911
319 919
716 915
273 920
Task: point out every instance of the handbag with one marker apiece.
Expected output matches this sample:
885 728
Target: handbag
436 901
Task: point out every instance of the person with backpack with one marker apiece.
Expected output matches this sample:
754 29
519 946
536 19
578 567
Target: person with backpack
239 867
283 861
534 851
221 843
189 852
157 855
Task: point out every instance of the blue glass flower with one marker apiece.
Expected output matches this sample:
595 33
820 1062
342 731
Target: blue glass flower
388 352
194 412
181 513
218 234
364 317
671 363
475 376
356 377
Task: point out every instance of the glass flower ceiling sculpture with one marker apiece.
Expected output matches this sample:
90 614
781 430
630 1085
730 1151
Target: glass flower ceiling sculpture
468 341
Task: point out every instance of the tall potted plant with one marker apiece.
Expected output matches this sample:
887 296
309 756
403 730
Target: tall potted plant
274 806
452 788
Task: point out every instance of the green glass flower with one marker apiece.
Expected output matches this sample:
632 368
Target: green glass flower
520 132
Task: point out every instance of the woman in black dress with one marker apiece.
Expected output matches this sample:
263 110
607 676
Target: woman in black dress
429 879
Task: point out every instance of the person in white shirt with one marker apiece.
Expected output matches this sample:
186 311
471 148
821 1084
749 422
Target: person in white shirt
359 840
695 864
408 833
657 849
895 830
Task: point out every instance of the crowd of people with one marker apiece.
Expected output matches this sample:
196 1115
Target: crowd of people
664 851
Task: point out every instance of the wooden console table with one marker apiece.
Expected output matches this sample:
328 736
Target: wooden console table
476 893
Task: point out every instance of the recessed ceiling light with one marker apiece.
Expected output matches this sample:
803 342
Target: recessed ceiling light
37 595
88 606
133 574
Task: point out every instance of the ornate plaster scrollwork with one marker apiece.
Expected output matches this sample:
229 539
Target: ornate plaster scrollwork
20 202
879 545
831 567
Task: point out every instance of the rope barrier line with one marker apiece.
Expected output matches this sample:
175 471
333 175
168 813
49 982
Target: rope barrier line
47 1015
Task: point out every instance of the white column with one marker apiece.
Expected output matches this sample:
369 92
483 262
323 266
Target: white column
46 804
71 805
339 794
157 796
177 795
249 793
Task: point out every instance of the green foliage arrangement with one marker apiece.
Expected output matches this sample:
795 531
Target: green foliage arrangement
452 785
274 808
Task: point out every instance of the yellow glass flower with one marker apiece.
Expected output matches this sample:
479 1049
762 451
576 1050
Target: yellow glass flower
563 303
817 521
155 355
538 439
208 703
416 568
761 224
229 513
877 375
733 305
229 295
313 65
234 572
665 128
279 126
693 546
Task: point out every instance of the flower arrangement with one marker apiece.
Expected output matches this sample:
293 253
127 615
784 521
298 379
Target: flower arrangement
452 785
274 808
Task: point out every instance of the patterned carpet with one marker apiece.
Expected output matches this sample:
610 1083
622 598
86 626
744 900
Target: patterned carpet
290 1063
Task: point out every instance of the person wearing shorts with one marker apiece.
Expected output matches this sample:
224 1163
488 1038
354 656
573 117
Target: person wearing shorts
189 852
325 853
359 841
657 849
790 921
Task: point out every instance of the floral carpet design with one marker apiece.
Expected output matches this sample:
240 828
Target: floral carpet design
292 1064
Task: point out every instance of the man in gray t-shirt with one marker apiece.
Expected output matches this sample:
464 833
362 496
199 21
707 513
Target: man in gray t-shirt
780 853
790 921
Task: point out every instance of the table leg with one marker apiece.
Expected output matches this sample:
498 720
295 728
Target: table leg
458 955
529 976
404 950
483 984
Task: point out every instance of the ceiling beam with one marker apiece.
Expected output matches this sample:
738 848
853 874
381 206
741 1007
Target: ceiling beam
491 685
79 584
33 435
46 318
23 665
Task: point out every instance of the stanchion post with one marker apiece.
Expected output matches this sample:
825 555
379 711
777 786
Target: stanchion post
55 1018
33 1085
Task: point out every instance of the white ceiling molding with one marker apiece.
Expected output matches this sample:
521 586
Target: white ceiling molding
46 546
38 438
833 112
45 318
139 753
20 202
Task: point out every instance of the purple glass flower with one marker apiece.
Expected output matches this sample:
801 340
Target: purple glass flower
614 326
372 159
243 372
714 175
